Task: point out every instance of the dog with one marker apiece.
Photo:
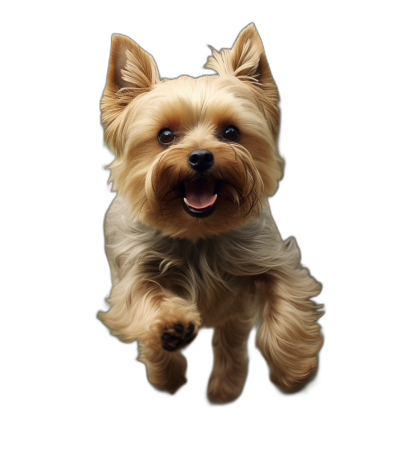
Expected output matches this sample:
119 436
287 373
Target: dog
189 237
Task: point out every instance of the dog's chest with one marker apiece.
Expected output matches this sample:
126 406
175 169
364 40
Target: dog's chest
218 274
204 274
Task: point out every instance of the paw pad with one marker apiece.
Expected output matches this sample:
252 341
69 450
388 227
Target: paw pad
177 337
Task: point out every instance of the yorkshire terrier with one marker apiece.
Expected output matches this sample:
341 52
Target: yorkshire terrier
189 237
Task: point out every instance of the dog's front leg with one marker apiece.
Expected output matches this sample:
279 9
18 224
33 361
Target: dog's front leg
165 370
175 326
289 337
161 321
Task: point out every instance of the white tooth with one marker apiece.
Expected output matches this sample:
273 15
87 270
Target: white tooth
186 202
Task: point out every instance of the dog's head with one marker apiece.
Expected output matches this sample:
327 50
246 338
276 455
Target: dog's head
195 157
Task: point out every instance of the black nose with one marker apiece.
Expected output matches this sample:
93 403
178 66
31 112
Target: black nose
200 160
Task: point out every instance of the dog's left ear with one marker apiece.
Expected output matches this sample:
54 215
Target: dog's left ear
247 62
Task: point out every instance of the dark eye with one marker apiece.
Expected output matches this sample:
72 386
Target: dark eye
231 133
166 136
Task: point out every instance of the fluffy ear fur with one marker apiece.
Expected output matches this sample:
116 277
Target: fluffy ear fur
131 71
247 62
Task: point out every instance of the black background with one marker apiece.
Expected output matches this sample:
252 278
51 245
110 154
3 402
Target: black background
100 375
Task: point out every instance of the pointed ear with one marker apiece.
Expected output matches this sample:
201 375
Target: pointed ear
247 62
131 71
130 66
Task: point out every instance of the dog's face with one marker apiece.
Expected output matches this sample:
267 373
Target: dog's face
195 157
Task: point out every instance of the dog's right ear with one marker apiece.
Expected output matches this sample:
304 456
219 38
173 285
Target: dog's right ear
130 66
131 71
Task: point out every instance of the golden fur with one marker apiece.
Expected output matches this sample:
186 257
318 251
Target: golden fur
173 272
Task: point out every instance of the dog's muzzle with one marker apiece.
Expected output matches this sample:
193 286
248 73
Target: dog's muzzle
199 195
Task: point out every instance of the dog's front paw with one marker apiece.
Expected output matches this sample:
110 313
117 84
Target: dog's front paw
175 327
178 336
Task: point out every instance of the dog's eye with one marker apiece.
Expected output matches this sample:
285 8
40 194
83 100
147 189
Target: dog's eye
231 133
166 136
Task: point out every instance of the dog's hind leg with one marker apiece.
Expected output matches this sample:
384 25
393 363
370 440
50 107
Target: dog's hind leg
230 359
289 336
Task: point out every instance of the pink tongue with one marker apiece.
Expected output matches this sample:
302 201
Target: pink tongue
199 193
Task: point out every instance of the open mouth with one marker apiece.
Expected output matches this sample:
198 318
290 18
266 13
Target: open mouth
199 196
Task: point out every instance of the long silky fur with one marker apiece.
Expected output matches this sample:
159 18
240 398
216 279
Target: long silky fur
229 271
207 273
